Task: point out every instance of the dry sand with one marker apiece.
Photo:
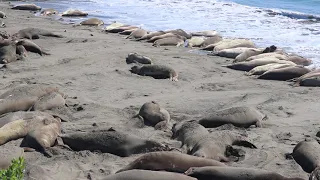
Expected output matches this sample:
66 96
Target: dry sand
90 64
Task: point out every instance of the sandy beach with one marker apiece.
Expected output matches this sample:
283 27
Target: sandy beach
89 66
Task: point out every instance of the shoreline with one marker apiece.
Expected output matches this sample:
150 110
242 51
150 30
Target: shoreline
90 65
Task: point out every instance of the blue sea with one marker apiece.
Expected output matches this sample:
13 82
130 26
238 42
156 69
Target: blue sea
293 25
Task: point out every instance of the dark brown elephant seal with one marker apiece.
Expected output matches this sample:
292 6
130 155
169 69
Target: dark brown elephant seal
92 22
137 58
306 154
34 33
169 41
49 12
147 175
3 15
31 46
241 116
169 161
285 73
29 7
138 33
156 71
299 60
234 173
180 32
7 155
73 13
311 79
218 146
151 35
152 114
189 133
111 141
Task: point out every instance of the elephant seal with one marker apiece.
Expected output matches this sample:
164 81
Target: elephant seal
285 73
306 154
73 13
166 35
128 31
210 47
299 60
248 65
151 35
233 44
49 12
3 15
208 33
137 58
234 173
92 22
156 71
241 116
111 141
189 133
169 161
180 32
34 33
218 146
21 51
2 24
138 33
7 155
253 52
269 55
262 69
169 41
121 29
311 79
49 101
31 46
147 175
211 40
8 54
113 25
195 41
230 53
29 7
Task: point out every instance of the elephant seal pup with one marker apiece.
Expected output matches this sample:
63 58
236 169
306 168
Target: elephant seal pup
299 60
248 65
8 54
311 79
31 46
230 53
111 141
211 40
218 144
3 15
49 12
138 33
269 55
241 116
169 41
92 22
73 13
151 35
156 71
208 33
262 69
285 73
29 7
6 156
169 161
148 175
113 25
152 114
49 101
234 173
180 32
306 154
253 52
233 44
189 133
136 58
34 33
196 41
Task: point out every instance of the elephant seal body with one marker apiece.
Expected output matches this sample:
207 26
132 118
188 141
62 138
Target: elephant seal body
128 31
137 58
195 41
211 40
248 65
169 41
21 51
113 26
92 22
151 35
148 175
169 161
180 32
49 12
156 71
166 35
29 7
6 156
299 60
111 141
121 28
262 69
234 173
8 54
253 52
217 145
232 52
49 101
268 55
3 15
73 13
238 116
210 47
310 79
138 33
208 33
31 46
35 33
285 73
152 113
233 44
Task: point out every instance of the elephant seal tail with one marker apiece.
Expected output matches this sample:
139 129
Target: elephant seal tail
315 174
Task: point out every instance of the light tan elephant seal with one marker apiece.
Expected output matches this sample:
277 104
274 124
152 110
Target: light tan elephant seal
286 73
156 71
151 35
92 22
262 69
49 12
7 155
233 44
169 161
31 46
211 40
195 41
269 55
299 60
166 35
234 173
253 52
180 32
49 101
121 28
208 33
169 41
29 7
230 53
147 175
137 58
138 33
73 13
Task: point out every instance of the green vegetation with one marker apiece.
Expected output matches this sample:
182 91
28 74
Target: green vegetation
15 171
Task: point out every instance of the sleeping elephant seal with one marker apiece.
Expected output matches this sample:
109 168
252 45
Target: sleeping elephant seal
49 101
218 146
169 161
211 40
285 73
113 25
31 46
111 141
233 43
253 52
208 33
196 41
34 33
169 41
234 173
230 53
152 114
8 54
180 32
138 33
7 155
151 35
3 15
156 71
49 12
121 29
148 175
92 22
262 69
166 35
241 116
73 13
306 154
137 58
311 79
29 7
299 60
268 55
128 31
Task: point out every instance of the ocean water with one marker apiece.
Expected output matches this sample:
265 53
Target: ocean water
293 25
